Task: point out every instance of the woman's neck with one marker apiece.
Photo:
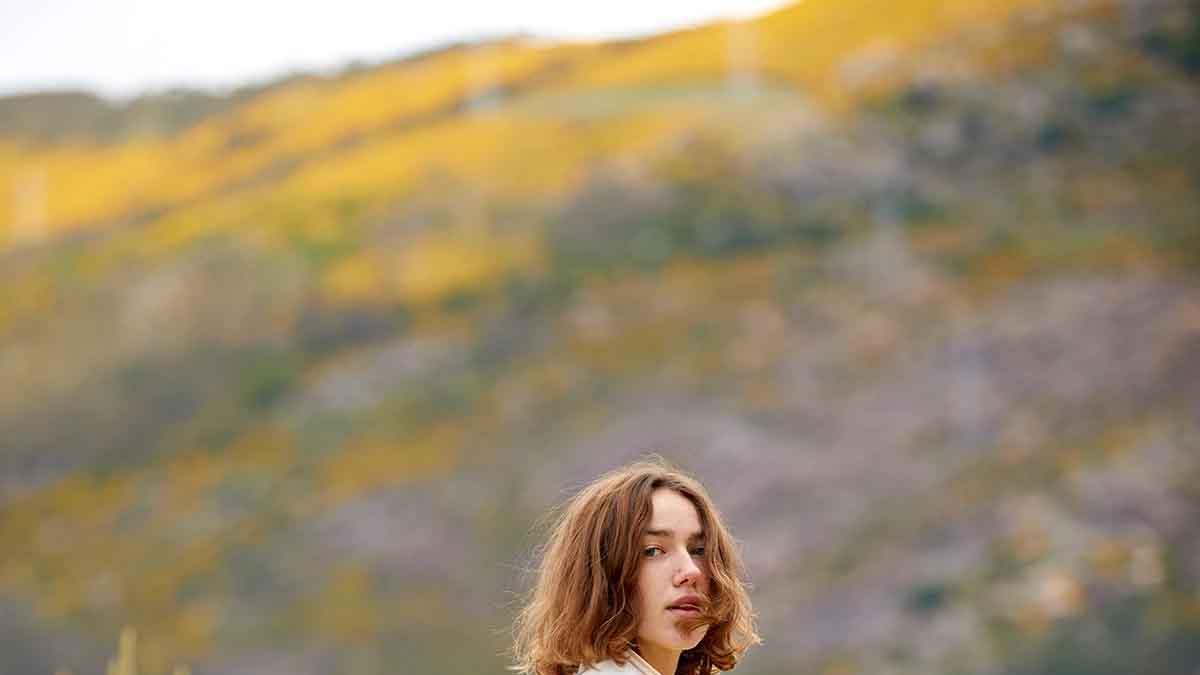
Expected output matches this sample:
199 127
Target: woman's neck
663 659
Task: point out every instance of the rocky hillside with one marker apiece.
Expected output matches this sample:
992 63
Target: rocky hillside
290 384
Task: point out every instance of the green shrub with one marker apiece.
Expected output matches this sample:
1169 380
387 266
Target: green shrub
1112 102
711 213
1054 136
1120 636
321 330
927 598
1181 48
267 375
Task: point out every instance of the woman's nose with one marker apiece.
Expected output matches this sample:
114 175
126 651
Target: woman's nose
688 573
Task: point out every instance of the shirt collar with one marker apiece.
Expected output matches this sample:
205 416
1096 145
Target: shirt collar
641 664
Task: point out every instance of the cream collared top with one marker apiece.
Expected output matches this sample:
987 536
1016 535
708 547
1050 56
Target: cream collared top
635 665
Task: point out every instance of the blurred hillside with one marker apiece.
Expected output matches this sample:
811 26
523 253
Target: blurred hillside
291 376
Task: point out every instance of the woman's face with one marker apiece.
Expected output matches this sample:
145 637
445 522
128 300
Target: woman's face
671 568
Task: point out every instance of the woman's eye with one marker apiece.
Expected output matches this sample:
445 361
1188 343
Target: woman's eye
648 552
699 550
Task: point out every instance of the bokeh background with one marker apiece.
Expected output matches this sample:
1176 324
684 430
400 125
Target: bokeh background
290 375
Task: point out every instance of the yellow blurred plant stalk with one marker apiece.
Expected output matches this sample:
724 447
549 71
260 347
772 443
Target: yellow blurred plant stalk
125 661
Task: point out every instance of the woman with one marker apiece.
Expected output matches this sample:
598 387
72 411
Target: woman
640 577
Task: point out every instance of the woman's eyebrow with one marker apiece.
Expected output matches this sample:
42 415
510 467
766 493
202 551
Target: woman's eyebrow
671 533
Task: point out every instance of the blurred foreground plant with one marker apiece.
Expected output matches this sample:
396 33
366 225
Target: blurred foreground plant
125 662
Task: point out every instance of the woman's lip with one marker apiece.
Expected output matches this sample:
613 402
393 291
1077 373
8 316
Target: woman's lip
686 611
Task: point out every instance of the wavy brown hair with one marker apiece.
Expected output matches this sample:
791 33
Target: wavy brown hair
582 610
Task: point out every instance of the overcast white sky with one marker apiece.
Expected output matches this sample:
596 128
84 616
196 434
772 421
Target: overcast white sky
120 48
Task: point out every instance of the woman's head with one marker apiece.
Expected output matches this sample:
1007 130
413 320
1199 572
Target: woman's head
623 555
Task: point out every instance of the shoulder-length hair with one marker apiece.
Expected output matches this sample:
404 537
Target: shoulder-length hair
582 607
